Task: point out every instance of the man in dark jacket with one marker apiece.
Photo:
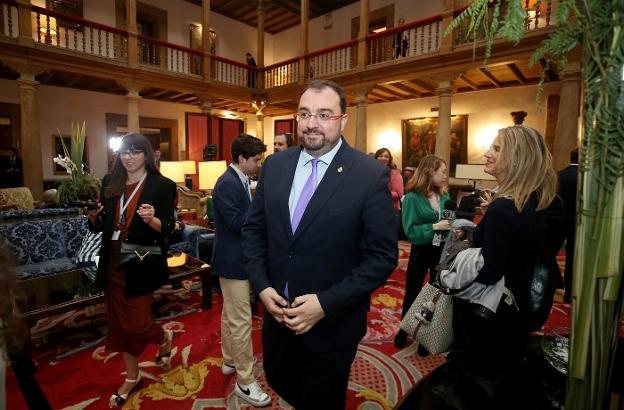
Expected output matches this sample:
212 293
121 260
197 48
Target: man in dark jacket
231 198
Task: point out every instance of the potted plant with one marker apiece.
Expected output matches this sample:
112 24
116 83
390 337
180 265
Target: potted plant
81 186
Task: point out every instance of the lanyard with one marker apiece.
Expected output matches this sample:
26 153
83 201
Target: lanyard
122 205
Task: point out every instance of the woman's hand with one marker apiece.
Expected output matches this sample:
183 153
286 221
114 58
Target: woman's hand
484 200
443 225
146 213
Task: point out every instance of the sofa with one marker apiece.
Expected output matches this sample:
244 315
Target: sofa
42 247
16 198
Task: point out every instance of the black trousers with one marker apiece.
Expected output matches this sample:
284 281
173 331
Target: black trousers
306 379
569 260
422 258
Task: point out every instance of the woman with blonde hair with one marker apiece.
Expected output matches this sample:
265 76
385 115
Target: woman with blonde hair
421 214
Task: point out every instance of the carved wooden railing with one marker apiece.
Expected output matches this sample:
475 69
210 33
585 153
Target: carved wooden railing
10 26
75 34
170 57
283 73
408 40
233 73
332 60
540 16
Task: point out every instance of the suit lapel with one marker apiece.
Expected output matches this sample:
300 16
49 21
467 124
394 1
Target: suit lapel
335 174
287 176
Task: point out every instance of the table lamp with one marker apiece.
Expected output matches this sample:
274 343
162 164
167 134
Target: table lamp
209 173
174 170
472 172
189 169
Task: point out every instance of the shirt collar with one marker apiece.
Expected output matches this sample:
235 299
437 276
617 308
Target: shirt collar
326 158
240 173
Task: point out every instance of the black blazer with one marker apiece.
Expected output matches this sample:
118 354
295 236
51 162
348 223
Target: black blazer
231 203
158 191
344 248
568 178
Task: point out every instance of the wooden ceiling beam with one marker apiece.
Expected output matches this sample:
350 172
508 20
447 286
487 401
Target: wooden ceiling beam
377 95
289 6
519 76
161 93
391 92
245 13
472 85
422 85
407 89
490 77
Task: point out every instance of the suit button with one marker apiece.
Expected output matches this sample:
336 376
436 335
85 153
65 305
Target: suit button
290 255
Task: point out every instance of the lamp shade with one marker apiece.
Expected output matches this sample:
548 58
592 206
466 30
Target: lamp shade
472 171
174 170
209 172
189 167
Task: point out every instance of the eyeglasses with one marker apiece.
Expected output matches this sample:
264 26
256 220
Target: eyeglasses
322 117
132 153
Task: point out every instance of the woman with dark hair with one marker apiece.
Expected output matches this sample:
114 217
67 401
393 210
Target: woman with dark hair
422 213
395 185
137 212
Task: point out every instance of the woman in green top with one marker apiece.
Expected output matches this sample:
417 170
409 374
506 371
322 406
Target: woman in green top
422 211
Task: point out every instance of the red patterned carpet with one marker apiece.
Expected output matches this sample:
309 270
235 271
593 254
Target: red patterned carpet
76 372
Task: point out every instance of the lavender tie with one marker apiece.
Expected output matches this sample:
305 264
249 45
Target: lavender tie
306 195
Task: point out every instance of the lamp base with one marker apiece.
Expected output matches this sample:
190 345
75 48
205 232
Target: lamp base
188 182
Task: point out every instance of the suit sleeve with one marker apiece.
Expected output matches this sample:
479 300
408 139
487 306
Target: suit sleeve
255 239
226 200
378 253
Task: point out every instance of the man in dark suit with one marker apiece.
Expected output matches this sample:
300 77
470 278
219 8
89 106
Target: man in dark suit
231 199
568 178
319 238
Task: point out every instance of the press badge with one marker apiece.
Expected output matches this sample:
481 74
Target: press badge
115 236
437 239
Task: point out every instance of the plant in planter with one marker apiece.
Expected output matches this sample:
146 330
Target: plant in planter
81 186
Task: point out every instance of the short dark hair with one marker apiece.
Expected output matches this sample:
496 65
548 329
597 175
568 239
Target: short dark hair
289 138
574 156
320 84
246 145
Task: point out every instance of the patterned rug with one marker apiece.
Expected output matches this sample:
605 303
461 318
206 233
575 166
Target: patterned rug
77 372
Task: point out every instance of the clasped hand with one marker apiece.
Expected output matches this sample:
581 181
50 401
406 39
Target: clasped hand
304 312
146 213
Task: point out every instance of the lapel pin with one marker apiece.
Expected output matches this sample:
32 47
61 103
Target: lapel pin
340 169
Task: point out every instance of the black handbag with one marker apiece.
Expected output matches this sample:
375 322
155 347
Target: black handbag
143 267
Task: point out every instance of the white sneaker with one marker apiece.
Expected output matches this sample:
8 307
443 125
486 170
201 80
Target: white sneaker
252 393
228 369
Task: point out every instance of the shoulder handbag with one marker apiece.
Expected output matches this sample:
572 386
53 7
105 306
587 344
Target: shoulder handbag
430 319
144 268
131 251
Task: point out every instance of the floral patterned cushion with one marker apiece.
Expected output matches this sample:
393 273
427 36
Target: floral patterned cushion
44 247
20 197
37 213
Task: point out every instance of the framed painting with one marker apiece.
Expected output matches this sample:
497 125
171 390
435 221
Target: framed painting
419 139
57 149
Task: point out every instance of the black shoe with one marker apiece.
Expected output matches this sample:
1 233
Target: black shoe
422 351
400 340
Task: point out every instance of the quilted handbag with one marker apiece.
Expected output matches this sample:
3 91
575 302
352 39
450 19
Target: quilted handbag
430 319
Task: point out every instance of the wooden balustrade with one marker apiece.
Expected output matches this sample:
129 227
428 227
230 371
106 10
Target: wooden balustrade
286 72
332 60
76 34
416 38
233 73
170 57
10 26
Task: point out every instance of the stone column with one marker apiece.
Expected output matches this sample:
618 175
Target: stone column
25 23
206 60
30 138
131 26
443 140
260 127
566 133
303 37
133 98
362 50
361 100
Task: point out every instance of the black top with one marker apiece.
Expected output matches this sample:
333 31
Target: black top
509 245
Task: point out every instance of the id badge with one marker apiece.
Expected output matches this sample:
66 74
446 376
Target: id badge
115 236
437 239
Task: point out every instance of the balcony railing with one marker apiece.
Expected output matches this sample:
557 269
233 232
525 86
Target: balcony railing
284 73
332 60
76 34
9 19
416 38
170 57
59 31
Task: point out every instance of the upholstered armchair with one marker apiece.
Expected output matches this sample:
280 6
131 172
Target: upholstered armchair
191 201
16 198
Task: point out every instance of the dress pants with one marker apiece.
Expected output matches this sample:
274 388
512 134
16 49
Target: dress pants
306 379
236 345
